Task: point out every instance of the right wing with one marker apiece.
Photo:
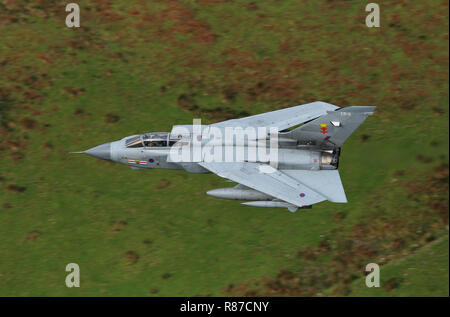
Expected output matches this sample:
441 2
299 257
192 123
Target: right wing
283 118
268 180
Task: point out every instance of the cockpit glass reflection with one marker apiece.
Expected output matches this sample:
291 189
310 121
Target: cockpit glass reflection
134 142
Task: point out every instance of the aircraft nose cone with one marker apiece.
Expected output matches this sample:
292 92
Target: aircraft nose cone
101 151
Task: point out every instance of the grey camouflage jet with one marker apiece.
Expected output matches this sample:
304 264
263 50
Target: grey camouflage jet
307 139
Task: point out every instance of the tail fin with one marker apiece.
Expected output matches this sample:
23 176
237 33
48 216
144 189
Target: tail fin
332 129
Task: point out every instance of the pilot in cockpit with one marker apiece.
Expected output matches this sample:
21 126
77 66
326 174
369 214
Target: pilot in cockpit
157 139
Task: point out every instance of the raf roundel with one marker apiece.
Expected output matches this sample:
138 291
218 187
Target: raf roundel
151 160
302 195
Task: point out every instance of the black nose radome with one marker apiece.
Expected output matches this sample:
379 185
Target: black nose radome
101 151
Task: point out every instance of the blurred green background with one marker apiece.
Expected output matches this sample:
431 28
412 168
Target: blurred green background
141 66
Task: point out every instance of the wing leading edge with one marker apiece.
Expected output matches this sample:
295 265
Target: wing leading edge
282 119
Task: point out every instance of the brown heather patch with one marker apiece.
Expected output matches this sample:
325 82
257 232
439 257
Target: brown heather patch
308 253
380 237
28 124
364 137
111 118
163 183
33 235
186 102
104 11
11 143
119 225
229 94
392 283
438 110
131 257
211 2
79 112
47 146
399 173
7 206
16 156
147 242
339 216
424 159
13 188
173 20
73 91
154 291
184 22
252 6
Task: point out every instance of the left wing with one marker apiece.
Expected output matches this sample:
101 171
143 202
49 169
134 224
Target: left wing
268 180
281 119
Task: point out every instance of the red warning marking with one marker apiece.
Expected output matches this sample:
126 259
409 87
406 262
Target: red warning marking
323 130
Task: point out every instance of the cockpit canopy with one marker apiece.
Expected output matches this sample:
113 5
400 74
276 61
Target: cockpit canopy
134 141
154 139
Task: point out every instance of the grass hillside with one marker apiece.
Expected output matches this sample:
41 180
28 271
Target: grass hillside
411 276
141 66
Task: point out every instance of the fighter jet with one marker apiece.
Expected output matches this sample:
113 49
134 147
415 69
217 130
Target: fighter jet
286 158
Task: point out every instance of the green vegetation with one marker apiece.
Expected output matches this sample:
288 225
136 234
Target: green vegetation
424 273
137 66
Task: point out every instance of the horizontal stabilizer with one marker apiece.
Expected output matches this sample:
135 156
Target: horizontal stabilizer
260 177
325 182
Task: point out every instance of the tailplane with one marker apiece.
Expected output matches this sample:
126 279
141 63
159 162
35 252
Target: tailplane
324 182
